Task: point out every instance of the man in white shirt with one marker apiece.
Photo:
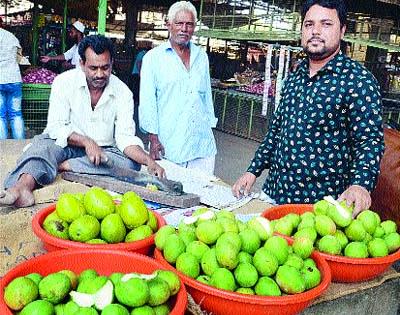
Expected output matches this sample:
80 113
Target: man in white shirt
71 56
10 86
90 120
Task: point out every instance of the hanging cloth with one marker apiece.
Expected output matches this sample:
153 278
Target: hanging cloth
267 80
279 78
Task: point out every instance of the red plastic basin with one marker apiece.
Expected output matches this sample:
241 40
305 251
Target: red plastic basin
52 243
223 302
344 269
104 262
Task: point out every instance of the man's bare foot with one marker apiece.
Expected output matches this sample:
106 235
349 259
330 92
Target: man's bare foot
7 198
26 198
20 195
64 166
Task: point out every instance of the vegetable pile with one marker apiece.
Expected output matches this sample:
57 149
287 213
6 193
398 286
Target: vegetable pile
39 75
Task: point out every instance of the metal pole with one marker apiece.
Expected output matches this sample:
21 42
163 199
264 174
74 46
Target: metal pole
201 13
64 30
5 12
251 13
233 14
35 35
251 119
215 12
102 17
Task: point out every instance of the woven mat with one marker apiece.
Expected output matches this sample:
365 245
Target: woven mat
18 242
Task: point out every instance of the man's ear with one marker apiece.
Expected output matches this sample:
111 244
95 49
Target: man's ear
342 31
81 63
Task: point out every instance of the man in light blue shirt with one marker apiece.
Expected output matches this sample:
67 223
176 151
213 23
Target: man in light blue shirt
176 108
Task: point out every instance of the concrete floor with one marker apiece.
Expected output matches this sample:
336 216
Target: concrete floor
233 158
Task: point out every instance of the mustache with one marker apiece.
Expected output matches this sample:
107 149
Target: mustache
315 38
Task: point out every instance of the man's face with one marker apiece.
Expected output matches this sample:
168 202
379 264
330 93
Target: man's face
321 32
97 68
181 28
73 33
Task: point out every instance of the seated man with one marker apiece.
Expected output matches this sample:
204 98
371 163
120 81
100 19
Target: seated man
89 122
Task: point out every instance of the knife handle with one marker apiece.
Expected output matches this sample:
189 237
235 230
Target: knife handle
106 161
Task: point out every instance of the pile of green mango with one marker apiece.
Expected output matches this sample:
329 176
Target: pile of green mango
219 250
331 228
94 218
66 293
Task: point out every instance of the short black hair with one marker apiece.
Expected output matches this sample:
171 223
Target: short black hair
98 43
338 5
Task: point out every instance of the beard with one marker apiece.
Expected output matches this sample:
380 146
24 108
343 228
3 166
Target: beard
321 52
316 55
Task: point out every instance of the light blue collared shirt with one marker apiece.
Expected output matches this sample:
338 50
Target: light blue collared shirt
176 103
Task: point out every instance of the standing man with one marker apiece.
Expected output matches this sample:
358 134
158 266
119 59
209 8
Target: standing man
326 137
90 121
71 56
142 48
176 108
10 86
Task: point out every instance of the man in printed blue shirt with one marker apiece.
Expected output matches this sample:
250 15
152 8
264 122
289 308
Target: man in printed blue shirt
176 108
326 137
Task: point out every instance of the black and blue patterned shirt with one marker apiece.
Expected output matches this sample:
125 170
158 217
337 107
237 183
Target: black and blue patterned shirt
326 134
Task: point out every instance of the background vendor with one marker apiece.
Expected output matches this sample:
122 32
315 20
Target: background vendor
71 56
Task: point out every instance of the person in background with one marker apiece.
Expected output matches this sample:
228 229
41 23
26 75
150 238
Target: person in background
10 86
176 108
142 48
89 124
326 137
71 57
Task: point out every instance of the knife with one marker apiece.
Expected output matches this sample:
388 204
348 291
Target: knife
142 179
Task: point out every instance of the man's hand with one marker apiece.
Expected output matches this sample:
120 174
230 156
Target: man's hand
45 59
94 152
358 196
67 65
154 169
243 185
156 147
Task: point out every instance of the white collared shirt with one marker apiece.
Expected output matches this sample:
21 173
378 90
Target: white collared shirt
73 55
176 103
9 69
110 123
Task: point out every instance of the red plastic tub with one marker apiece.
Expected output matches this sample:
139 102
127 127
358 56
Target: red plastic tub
344 269
104 262
52 243
222 302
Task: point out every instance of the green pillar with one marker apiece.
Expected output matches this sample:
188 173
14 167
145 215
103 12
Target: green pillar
64 31
101 22
35 34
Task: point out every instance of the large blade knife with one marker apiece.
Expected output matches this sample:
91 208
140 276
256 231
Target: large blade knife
143 179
